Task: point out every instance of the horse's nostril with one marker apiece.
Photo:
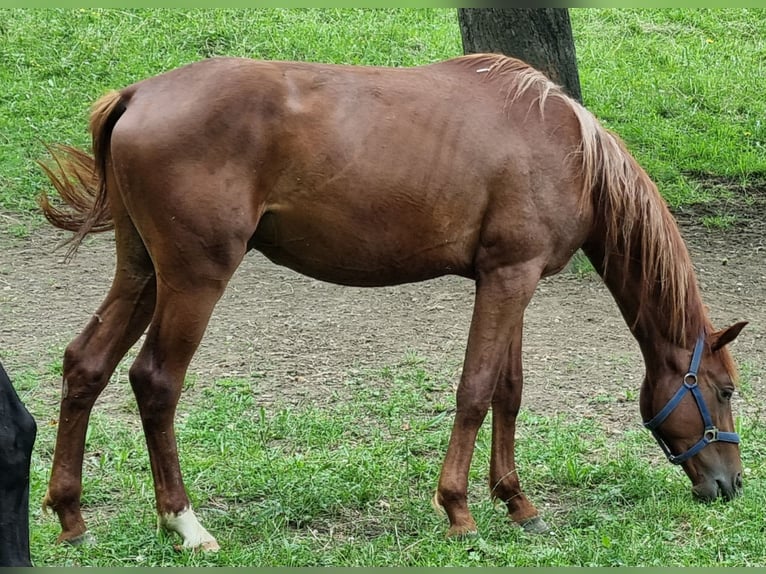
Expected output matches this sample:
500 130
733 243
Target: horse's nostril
729 489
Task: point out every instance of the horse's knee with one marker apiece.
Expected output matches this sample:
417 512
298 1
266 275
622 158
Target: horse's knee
472 411
473 400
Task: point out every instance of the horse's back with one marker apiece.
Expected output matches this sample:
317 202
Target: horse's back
360 175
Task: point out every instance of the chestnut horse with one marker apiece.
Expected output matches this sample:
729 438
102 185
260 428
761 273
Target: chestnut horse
478 166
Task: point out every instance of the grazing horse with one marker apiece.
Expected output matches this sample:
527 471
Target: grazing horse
17 437
477 166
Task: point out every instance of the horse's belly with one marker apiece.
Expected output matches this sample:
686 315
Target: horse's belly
362 253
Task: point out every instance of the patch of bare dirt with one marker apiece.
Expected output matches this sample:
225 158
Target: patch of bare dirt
298 339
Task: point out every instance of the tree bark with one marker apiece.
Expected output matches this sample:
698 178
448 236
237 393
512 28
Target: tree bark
542 37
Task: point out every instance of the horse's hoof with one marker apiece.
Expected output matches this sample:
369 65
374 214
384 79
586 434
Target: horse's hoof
535 525
209 546
84 539
466 531
185 524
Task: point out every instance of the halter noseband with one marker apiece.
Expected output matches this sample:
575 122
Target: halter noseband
711 432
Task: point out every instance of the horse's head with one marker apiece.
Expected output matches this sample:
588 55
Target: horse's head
686 404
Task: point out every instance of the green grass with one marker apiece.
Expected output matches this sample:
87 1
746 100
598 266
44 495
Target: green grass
719 221
683 87
351 486
581 266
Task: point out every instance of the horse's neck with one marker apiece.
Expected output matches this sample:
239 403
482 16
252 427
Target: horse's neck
636 246
644 312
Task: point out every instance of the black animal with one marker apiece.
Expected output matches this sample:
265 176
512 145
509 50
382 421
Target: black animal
17 437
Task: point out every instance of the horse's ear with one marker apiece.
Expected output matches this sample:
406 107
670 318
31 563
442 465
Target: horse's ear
721 338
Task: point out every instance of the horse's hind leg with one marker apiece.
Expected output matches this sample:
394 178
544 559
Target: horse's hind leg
89 361
503 478
157 377
196 220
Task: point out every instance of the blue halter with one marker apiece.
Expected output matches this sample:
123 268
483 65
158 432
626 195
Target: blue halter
711 432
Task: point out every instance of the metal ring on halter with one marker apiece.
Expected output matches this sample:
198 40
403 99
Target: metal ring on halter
711 434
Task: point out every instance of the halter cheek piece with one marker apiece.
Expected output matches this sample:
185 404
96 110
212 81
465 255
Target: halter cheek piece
711 433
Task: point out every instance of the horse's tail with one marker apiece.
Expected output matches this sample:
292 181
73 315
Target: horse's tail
80 178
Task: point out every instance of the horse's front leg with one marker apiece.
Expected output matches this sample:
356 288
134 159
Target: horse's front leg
503 476
501 297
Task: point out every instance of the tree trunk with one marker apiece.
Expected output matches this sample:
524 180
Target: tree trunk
542 37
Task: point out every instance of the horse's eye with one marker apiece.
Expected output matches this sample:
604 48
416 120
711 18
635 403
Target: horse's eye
726 394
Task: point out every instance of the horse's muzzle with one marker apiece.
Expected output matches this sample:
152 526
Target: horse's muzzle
726 488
